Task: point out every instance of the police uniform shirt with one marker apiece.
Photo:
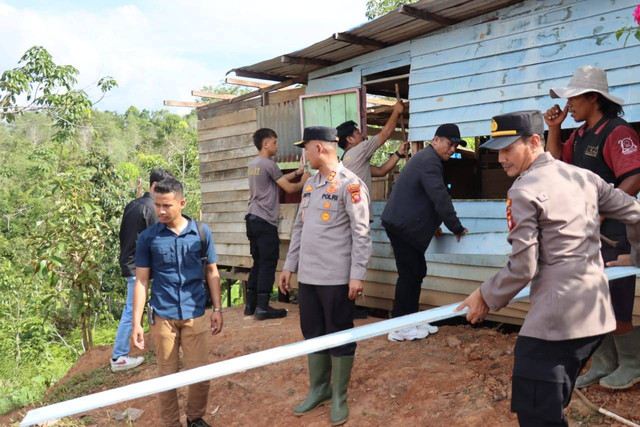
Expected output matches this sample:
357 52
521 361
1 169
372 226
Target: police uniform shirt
554 230
263 190
330 241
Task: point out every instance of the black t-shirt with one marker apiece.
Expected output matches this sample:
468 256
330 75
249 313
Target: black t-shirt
138 215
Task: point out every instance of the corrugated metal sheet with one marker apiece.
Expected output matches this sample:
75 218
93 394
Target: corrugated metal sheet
284 118
390 29
509 64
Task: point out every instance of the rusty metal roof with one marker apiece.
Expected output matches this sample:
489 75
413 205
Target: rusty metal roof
405 23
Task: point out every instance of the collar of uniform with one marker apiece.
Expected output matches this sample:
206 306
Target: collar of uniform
190 228
322 180
541 160
147 194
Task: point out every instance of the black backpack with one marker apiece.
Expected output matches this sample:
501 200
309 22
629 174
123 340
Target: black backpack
204 259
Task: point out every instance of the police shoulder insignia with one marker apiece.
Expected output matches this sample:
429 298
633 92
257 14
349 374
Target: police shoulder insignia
355 197
510 223
353 188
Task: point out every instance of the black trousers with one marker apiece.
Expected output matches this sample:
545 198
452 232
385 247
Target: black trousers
622 290
264 244
412 268
324 310
544 376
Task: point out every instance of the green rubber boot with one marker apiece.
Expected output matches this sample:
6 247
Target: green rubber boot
319 383
628 373
603 362
341 373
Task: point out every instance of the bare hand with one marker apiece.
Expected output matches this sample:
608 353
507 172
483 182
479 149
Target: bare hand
137 334
216 322
305 176
284 284
355 289
478 308
398 108
303 163
403 148
624 259
438 233
458 236
555 116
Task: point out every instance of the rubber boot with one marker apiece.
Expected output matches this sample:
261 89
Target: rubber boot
264 311
250 302
319 383
628 373
340 374
603 362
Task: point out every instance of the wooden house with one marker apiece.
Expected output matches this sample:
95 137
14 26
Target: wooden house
459 61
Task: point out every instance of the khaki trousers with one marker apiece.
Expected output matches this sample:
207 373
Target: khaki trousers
193 336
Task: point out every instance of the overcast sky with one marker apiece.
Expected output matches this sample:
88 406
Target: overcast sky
162 49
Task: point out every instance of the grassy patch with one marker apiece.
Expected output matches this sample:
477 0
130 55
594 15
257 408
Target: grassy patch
89 382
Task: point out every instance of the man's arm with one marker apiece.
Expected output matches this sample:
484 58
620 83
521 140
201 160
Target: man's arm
293 255
554 118
390 126
386 167
356 200
140 292
292 187
433 184
213 281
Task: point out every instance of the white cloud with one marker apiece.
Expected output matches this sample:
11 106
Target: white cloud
161 49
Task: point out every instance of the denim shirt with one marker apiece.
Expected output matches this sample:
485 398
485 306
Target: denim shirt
177 291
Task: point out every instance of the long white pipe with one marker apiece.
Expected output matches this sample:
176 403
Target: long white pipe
261 358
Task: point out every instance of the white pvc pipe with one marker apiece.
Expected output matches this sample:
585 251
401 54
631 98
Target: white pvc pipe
261 358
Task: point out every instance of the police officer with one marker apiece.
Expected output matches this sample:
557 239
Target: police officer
553 213
608 146
330 248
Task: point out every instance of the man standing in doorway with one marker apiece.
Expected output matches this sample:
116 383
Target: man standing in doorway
418 204
170 253
608 146
138 215
262 222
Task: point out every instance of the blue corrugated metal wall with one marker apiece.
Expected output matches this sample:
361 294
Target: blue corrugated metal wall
474 70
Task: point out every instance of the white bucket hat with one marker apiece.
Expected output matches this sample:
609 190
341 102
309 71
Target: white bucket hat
586 79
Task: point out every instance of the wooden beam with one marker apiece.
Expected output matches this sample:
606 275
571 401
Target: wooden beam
184 104
262 91
258 75
377 101
414 12
288 59
248 83
212 95
387 79
363 41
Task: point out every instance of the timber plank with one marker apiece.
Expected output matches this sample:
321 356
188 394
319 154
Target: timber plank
227 227
233 249
242 116
240 206
228 154
225 196
214 218
222 175
225 165
218 108
228 185
223 132
228 143
235 238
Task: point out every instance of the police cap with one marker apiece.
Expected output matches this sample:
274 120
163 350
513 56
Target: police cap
508 128
317 133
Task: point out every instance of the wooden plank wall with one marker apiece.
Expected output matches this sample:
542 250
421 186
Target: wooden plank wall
474 70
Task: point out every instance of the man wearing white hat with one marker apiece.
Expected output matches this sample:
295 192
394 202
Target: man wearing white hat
610 147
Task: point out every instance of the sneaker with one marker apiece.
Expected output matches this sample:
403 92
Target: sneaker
428 327
408 334
123 363
198 422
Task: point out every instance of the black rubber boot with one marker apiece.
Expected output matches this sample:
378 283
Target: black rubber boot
319 383
250 302
340 376
264 311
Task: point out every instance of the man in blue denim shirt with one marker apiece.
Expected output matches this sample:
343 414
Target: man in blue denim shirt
169 252
137 216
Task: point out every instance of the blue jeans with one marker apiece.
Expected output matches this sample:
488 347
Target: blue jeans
121 346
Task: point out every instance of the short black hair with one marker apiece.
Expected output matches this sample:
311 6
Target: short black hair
262 134
169 185
608 108
345 130
158 175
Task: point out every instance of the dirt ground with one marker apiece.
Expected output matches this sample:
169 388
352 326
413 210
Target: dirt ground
460 376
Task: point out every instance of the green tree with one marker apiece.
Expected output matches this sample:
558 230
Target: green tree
376 8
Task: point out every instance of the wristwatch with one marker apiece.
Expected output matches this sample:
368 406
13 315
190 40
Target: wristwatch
402 156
